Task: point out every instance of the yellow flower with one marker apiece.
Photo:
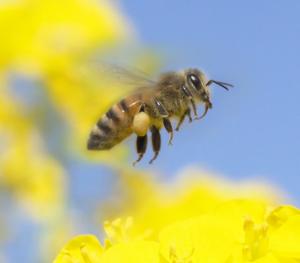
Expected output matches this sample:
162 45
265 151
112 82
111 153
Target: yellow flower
284 239
118 247
87 249
237 231
219 226
142 197
133 252
81 249
211 237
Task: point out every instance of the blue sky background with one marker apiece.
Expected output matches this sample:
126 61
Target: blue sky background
253 130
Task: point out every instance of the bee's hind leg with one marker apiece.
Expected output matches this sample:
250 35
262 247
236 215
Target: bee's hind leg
156 142
141 146
169 128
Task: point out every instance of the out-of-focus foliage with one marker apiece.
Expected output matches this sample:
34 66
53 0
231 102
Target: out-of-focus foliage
49 44
40 36
206 220
34 177
48 41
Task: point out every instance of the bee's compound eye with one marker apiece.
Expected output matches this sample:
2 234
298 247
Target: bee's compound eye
194 80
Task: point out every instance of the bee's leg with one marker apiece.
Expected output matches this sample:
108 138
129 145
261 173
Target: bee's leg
180 121
169 128
141 146
194 109
161 108
188 113
155 142
187 93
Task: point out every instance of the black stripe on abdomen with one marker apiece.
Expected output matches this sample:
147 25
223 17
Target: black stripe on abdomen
112 114
123 105
104 127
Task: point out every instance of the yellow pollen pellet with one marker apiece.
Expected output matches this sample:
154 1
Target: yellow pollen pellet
141 123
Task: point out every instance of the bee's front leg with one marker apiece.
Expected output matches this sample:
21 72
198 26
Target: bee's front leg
189 95
208 106
194 109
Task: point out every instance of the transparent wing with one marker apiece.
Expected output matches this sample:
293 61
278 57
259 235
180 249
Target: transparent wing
122 75
128 75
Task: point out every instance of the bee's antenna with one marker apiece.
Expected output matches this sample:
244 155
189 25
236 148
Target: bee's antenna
222 84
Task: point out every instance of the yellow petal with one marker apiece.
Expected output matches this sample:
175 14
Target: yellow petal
238 211
280 214
285 241
203 239
269 258
81 249
132 252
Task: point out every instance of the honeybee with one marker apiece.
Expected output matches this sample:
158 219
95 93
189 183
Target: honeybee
150 107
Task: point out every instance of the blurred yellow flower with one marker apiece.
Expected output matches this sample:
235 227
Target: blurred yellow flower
49 40
26 169
40 35
34 178
49 43
53 45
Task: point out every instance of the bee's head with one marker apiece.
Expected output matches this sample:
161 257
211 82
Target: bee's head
198 85
196 82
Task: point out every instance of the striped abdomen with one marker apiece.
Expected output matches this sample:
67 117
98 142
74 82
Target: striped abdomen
115 125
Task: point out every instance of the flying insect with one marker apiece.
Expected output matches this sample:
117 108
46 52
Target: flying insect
151 106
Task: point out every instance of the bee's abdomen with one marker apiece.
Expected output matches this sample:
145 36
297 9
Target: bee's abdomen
113 127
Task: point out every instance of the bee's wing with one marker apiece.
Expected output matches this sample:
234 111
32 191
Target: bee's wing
130 75
122 75
134 82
